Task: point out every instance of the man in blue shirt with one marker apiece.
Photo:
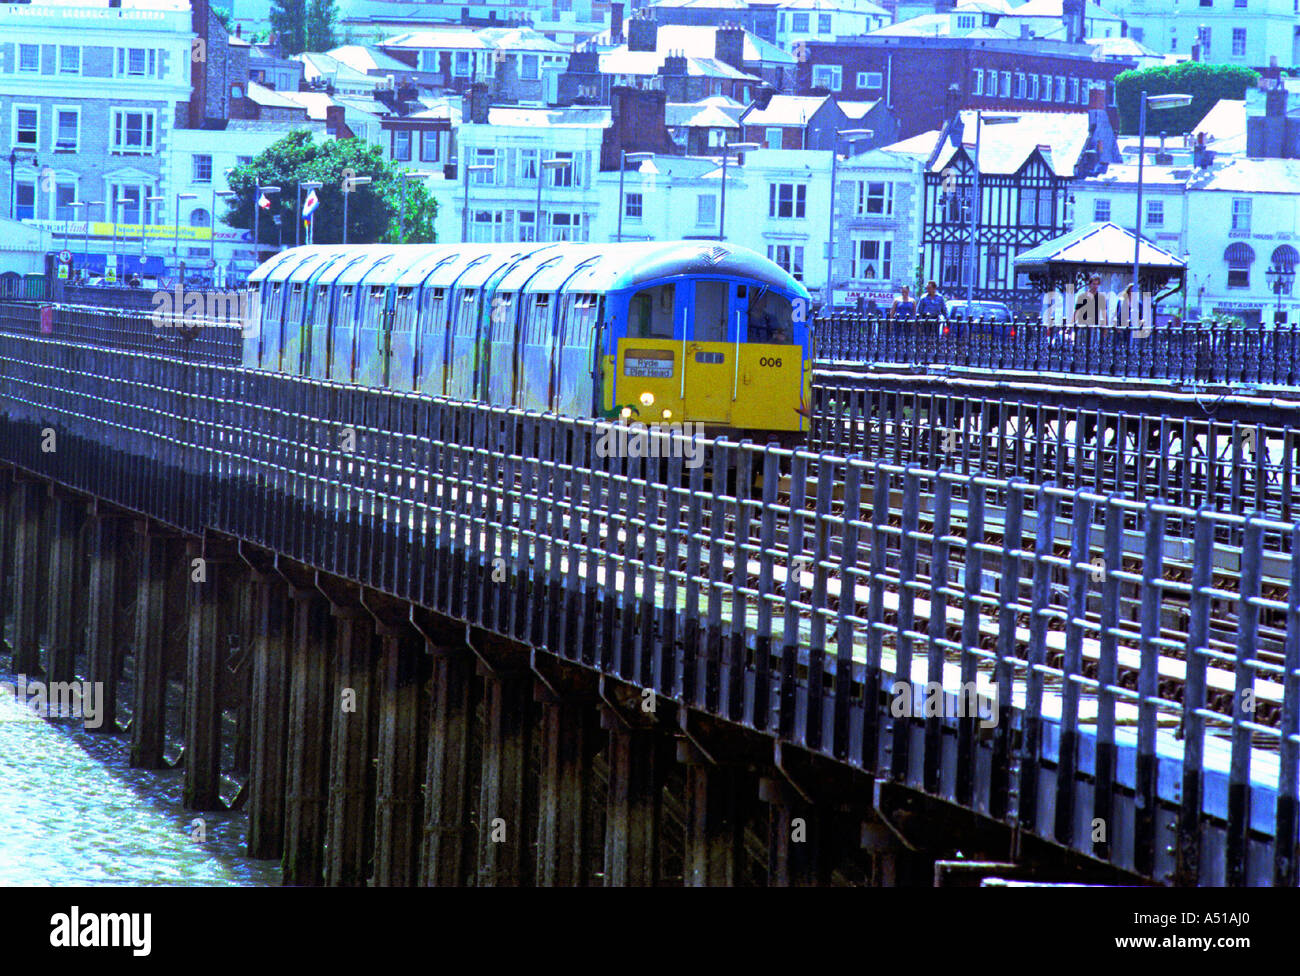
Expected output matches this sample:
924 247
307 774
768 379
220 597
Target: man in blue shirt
932 304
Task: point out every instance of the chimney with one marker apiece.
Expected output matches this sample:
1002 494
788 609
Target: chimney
616 23
335 124
636 124
763 96
643 32
239 30
1072 14
1163 158
1270 77
1097 98
729 45
478 103
674 65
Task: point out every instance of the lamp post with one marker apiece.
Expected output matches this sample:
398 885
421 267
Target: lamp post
554 164
409 174
176 240
1280 277
85 240
212 237
727 150
350 183
143 220
297 221
980 121
851 136
14 156
260 191
464 213
76 206
1154 102
623 159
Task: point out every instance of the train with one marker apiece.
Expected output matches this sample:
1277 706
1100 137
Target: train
697 332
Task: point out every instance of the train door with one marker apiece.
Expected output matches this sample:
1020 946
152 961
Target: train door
401 341
715 310
464 334
343 339
647 378
499 368
272 325
253 327
292 352
573 389
431 340
372 333
537 352
320 316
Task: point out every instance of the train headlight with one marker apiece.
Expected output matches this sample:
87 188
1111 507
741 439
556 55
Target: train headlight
668 414
647 399
627 412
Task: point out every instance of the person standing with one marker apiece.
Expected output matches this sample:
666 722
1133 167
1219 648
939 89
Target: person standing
903 309
932 305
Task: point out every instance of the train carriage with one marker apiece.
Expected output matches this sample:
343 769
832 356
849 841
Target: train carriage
658 332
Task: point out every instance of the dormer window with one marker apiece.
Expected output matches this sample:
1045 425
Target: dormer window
965 21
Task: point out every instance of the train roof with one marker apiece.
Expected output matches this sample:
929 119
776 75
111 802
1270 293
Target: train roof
545 267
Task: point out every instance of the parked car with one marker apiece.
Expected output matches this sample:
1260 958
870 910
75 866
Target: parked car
975 318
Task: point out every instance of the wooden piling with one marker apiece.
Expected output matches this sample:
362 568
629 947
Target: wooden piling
401 747
202 677
568 730
449 844
506 805
307 766
796 838
103 651
349 815
159 554
635 803
64 560
29 587
716 812
272 619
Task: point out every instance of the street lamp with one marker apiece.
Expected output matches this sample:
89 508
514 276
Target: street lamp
212 223
85 240
143 219
13 163
297 220
1281 277
350 183
409 174
851 136
623 159
464 214
260 191
1154 102
980 120
727 150
176 240
554 164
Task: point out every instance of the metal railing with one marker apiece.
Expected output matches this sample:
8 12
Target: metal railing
1186 352
794 610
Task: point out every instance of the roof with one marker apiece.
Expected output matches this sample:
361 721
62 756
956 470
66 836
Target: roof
1005 148
270 98
1122 48
1250 176
1153 175
328 67
573 117
1098 244
365 59
1053 9
700 42
623 62
936 25
786 110
919 146
848 6
484 39
1224 126
857 110
701 115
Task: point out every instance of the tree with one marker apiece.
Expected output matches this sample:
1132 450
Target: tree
321 18
223 15
289 22
373 209
1206 83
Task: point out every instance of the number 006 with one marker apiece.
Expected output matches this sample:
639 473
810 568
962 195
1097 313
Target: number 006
769 361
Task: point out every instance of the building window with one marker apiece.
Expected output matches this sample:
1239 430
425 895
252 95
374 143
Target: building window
1238 42
1173 38
488 226
125 202
1155 213
566 175
25 200
567 227
402 145
1060 88
526 229
787 200
137 62
1207 3
873 260
1035 207
1241 214
1005 88
201 168
199 217
69 60
429 147
965 21
875 80
460 64
705 210
1033 87
799 23
828 76
1047 88
787 257
977 88
67 124
1074 89
132 131
528 166
485 157
772 137
1020 85
29 57
65 194
823 23
528 67
26 125
1101 210
876 198
632 206
1240 257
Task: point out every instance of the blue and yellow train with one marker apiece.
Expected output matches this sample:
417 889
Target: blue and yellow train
660 332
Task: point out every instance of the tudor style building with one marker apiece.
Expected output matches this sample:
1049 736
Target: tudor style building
1026 170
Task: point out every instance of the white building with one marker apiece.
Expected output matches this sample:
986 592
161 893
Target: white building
805 21
1246 32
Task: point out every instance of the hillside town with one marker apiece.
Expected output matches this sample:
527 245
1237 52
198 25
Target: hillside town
838 138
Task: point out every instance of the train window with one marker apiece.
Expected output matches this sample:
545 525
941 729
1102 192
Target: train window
650 313
710 311
377 292
770 319
503 319
541 319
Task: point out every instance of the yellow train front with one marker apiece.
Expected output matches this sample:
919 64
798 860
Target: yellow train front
678 332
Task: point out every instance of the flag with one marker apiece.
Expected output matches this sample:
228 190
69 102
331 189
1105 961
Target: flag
264 202
310 204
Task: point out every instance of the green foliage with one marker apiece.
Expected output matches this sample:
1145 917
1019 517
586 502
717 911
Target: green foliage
223 14
322 16
289 21
1206 83
373 209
